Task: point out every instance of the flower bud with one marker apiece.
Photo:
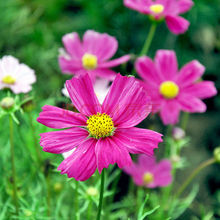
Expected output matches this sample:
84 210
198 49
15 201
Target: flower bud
178 133
92 191
217 154
7 102
57 187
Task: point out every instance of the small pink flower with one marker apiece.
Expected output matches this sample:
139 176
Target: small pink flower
101 134
150 174
164 9
91 55
15 76
171 90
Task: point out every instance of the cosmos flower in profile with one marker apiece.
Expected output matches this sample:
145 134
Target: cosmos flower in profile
164 9
91 55
146 172
101 134
174 90
15 76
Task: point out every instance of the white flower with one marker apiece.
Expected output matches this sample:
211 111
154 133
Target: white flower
16 76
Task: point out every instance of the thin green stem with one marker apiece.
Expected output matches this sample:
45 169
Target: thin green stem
48 195
193 174
15 194
77 214
37 148
185 120
149 39
101 194
167 145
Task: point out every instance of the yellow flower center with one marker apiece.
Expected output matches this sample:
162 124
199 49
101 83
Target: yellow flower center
157 8
169 89
8 80
148 178
89 61
100 125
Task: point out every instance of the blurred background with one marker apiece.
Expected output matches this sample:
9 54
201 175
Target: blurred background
31 30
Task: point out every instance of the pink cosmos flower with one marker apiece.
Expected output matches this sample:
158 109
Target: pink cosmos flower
164 9
150 174
101 134
16 76
171 90
91 55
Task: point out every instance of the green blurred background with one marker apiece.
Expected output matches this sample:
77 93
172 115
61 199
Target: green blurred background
32 32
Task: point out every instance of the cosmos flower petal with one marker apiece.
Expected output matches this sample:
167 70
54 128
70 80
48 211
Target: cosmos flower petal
185 5
202 90
81 164
112 153
58 142
147 70
104 73
138 5
115 62
170 111
55 117
177 24
162 174
138 140
147 161
126 103
190 73
191 103
166 62
101 45
73 45
83 96
68 65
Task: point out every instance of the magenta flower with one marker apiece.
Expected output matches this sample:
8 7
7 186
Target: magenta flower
15 76
150 174
91 55
171 90
164 9
102 134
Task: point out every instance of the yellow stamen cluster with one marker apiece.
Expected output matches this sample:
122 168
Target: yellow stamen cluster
100 125
8 80
169 89
89 61
148 178
157 8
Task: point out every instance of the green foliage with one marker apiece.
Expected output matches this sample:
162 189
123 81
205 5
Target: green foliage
32 32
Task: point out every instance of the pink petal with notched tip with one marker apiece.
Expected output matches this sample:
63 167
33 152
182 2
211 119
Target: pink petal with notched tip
55 117
138 140
177 24
109 151
58 142
103 46
81 164
82 94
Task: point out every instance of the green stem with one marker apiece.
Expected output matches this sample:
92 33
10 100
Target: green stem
101 195
185 120
77 201
149 39
193 174
48 195
37 148
15 194
167 145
